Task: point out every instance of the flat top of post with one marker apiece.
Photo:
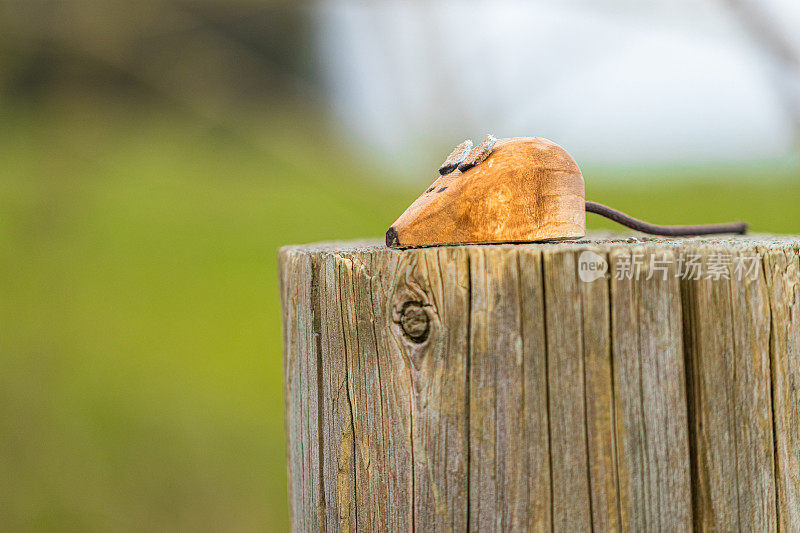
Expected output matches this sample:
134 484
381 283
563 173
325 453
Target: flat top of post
593 240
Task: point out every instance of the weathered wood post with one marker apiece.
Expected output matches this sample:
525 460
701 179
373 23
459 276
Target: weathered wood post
489 388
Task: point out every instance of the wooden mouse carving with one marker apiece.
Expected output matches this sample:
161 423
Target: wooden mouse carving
525 189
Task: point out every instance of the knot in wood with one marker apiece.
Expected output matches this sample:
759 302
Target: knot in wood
415 322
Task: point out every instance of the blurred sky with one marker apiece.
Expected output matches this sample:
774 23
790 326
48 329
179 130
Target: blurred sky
613 82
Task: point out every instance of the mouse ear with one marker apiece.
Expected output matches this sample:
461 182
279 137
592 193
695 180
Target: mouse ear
479 154
455 157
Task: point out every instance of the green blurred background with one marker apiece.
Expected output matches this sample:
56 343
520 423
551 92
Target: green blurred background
153 158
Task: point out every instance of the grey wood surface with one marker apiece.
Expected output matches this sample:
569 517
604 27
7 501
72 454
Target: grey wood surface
496 388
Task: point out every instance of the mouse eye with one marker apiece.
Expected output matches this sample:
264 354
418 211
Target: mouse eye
478 154
455 158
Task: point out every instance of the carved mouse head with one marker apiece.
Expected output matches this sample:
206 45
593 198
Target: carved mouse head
509 190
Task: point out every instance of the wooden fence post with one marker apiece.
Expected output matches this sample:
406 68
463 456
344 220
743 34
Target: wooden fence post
613 384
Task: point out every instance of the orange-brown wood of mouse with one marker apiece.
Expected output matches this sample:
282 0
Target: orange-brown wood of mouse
528 189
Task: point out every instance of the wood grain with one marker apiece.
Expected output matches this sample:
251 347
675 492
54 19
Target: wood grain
599 397
489 388
568 437
649 384
782 271
728 354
